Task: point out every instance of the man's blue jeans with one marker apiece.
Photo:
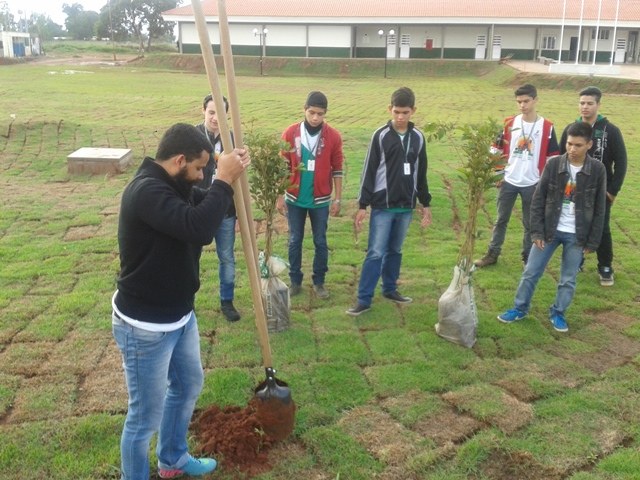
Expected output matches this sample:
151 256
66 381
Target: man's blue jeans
538 260
164 377
387 231
506 200
319 219
225 238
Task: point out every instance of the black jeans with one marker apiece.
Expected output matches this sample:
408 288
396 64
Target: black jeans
605 250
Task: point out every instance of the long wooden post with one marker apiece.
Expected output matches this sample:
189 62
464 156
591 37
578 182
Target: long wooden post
242 209
234 107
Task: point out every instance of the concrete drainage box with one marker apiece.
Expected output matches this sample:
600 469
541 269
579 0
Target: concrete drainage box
99 160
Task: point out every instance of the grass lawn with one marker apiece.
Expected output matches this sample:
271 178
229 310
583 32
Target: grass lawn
380 396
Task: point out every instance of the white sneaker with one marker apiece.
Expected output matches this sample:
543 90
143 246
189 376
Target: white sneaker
606 276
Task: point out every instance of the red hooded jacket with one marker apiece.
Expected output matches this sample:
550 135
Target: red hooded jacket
329 159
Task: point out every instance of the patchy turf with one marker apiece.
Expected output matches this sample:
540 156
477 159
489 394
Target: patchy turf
381 396
448 427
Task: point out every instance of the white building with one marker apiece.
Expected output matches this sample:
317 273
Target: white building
18 44
462 29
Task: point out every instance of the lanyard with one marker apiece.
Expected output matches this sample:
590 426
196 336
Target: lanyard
570 188
308 140
574 178
406 149
215 143
527 138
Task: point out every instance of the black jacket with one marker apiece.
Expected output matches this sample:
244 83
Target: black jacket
608 148
384 183
162 228
589 197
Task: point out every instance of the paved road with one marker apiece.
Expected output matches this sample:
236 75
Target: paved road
631 71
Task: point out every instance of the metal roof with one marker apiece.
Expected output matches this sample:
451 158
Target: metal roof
419 10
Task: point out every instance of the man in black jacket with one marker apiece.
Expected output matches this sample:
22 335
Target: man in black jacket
163 224
567 209
608 147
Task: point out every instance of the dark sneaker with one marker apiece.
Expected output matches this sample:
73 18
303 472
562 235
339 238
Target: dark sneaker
488 259
195 467
396 297
229 311
359 309
320 291
559 323
606 276
295 289
511 316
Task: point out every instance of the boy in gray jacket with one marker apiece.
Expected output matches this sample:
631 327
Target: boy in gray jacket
567 209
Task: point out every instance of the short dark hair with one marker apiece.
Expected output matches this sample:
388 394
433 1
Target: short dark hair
592 92
209 98
185 139
527 89
403 97
580 129
316 99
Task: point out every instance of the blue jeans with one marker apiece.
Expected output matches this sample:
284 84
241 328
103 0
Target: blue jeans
538 260
164 377
225 239
387 231
507 196
319 219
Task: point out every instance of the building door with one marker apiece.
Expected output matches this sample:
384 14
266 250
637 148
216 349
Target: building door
391 46
573 49
496 51
621 49
632 45
481 47
405 45
18 47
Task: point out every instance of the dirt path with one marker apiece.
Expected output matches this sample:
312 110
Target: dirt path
82 60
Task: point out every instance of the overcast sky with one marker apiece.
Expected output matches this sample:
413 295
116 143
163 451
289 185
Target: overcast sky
53 8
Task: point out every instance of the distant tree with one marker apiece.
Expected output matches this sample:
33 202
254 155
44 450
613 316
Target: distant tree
42 26
101 28
108 23
158 28
112 18
7 20
80 23
139 19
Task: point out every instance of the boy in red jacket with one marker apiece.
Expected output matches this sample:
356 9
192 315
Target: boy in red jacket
315 160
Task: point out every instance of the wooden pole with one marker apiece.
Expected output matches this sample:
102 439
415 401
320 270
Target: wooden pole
234 108
243 210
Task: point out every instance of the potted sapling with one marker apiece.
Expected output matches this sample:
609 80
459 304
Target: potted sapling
269 179
481 162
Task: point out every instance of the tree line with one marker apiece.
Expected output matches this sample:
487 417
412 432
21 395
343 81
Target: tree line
118 20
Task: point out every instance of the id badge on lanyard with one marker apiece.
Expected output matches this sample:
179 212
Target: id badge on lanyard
407 165
311 162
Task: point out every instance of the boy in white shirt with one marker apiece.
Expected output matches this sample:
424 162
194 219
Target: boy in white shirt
528 140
